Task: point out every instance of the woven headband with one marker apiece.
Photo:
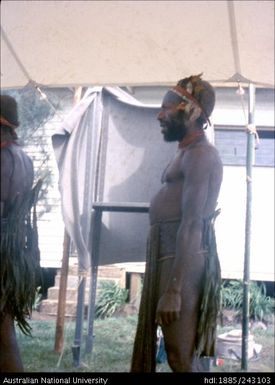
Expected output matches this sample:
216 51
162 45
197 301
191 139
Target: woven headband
183 93
5 122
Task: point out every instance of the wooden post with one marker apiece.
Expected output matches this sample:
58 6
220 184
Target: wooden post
61 310
135 286
59 331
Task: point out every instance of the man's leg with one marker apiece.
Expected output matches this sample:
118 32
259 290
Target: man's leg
180 336
10 360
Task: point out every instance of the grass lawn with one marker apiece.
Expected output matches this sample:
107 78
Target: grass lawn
113 348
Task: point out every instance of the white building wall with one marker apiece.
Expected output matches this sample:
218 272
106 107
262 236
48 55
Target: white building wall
50 223
230 225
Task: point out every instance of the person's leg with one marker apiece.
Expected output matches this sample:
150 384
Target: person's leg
10 359
180 336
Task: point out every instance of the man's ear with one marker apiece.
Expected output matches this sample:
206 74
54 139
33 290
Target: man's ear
195 113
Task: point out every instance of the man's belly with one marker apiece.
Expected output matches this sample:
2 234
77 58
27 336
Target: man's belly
166 204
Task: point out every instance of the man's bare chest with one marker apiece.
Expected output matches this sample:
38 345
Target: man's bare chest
174 170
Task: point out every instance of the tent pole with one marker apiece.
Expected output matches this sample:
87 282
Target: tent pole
246 273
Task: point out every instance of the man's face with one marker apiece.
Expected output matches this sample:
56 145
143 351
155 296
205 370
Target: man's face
171 118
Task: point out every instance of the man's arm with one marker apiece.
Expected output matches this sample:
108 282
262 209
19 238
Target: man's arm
7 166
196 168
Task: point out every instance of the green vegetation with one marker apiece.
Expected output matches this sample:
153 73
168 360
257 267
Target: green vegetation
261 306
110 298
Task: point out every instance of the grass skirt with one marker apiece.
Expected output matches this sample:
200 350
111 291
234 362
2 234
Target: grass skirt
19 259
144 352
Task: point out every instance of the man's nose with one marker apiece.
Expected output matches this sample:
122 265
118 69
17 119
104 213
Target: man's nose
160 115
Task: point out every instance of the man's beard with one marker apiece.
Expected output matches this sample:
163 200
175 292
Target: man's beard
174 129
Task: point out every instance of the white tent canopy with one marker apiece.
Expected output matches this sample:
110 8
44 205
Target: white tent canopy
71 43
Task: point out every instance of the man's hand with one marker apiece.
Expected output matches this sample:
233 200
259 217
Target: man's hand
168 309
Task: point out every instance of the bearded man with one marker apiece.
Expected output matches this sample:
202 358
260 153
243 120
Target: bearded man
19 259
182 277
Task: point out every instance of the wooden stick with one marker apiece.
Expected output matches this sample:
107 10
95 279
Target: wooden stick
60 320
61 309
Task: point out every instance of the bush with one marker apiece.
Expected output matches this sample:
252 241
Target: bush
261 306
231 295
110 297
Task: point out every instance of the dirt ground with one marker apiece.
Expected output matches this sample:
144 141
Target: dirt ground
38 316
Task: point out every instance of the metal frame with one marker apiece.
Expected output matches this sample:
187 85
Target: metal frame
98 209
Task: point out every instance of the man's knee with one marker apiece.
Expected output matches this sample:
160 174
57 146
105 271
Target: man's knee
180 360
179 363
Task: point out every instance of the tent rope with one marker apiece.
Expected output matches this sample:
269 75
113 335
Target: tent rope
251 128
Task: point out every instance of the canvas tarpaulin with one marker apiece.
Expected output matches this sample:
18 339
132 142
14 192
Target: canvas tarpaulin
128 136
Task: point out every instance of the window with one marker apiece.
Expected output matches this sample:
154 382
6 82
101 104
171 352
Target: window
231 144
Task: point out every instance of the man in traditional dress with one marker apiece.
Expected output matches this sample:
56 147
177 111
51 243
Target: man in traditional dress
19 259
182 277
